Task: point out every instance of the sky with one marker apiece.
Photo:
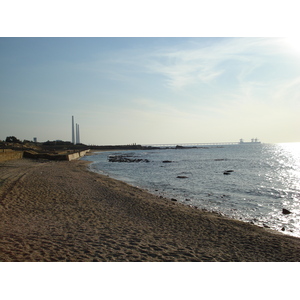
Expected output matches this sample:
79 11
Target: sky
150 90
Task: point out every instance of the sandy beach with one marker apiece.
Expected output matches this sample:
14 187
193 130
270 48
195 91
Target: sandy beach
60 211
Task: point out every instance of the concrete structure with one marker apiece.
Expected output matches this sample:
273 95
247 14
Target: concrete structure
77 136
73 133
8 154
253 141
76 155
190 144
63 156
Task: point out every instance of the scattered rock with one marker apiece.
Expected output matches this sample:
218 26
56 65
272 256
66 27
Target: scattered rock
285 211
125 158
227 172
192 206
173 199
282 229
167 161
182 177
266 226
187 199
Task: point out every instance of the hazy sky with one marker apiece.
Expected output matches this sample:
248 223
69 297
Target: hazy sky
150 90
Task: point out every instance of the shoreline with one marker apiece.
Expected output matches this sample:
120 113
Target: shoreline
162 194
62 211
203 210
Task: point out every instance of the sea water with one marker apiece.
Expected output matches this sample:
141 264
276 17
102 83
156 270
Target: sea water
263 179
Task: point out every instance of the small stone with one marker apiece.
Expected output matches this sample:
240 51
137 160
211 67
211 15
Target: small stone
285 211
227 172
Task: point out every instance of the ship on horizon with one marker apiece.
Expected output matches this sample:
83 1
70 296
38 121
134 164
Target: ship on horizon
253 141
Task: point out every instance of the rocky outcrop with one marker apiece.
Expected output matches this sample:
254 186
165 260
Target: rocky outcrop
125 158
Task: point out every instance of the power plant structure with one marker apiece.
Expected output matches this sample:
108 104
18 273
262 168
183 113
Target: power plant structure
75 135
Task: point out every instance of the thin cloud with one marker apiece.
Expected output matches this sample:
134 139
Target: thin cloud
204 64
288 92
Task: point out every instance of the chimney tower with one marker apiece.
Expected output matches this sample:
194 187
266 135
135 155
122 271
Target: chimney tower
73 133
76 135
78 138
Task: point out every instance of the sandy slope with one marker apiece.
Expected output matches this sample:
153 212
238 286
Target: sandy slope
59 211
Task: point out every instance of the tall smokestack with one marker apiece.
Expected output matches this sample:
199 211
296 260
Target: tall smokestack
76 133
73 133
78 139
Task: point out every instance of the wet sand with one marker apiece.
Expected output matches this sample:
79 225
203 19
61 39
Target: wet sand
59 211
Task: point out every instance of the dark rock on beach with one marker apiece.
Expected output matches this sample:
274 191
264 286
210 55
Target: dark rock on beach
182 177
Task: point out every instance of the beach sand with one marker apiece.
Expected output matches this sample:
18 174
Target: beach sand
60 211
